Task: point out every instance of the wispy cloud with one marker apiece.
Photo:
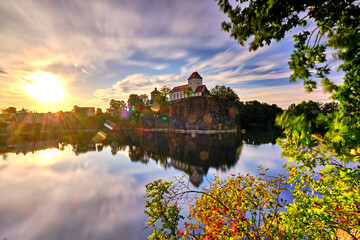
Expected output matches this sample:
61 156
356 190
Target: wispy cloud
137 84
96 47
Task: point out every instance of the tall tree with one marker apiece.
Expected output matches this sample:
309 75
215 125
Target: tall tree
324 170
223 91
165 90
326 187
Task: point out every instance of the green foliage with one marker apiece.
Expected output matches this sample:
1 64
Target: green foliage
159 209
165 90
188 91
336 22
325 168
223 91
116 106
242 206
141 100
239 207
315 114
255 114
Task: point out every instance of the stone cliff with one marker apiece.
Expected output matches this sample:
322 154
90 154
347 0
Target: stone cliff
199 113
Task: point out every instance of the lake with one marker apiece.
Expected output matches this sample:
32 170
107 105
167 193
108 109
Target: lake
90 185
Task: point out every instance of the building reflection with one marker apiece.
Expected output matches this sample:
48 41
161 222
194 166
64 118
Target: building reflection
192 154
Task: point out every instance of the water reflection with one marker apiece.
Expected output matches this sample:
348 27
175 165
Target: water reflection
72 187
192 154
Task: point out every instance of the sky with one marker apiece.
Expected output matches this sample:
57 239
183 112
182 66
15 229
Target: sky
88 52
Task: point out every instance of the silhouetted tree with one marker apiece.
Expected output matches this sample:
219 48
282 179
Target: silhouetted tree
9 110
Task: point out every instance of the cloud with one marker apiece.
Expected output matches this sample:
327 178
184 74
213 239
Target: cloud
84 33
133 84
90 45
282 96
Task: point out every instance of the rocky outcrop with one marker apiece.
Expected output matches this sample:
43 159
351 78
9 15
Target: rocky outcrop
202 113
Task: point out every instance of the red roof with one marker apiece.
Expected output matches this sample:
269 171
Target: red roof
155 91
179 88
195 75
200 88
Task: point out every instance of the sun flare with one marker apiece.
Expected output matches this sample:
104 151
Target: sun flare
49 154
45 87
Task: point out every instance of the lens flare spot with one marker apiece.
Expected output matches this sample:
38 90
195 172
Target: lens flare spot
155 107
109 124
164 118
125 113
102 135
204 155
243 131
48 154
99 137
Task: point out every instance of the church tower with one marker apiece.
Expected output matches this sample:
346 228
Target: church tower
194 81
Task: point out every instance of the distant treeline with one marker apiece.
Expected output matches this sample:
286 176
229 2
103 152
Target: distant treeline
311 111
253 114
139 111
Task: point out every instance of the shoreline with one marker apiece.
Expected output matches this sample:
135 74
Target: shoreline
187 131
163 130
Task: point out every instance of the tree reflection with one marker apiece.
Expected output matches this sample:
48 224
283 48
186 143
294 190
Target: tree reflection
192 154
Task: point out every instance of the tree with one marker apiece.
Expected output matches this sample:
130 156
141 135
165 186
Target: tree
310 109
75 109
116 106
9 110
160 209
188 91
330 108
138 100
223 91
255 114
98 112
326 186
323 169
240 207
145 100
165 90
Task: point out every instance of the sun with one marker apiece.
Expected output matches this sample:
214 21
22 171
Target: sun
45 87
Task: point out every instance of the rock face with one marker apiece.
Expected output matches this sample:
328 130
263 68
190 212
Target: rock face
202 113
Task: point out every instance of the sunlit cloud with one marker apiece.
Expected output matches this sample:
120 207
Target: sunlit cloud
283 96
96 46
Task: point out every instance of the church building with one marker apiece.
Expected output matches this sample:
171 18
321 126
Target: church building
195 83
